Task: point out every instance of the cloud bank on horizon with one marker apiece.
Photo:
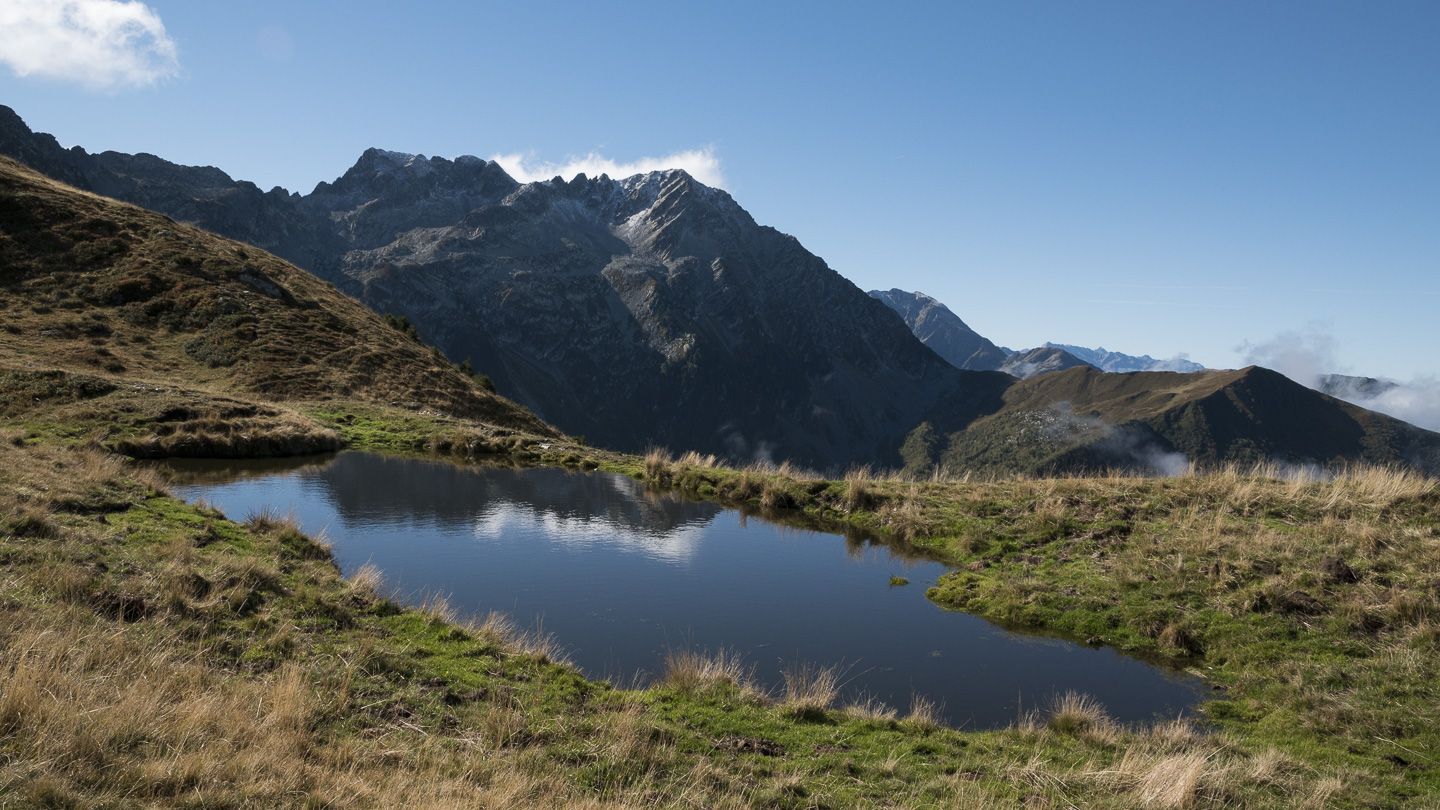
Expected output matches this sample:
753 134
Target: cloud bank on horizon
701 164
104 45
1307 355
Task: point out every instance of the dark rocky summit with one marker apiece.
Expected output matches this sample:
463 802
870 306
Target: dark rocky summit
1347 387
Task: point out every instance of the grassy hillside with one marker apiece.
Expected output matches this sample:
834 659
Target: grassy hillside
157 654
1082 419
119 319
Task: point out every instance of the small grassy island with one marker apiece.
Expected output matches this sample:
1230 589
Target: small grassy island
154 653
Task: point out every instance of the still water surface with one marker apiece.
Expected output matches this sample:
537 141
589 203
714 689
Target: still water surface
620 576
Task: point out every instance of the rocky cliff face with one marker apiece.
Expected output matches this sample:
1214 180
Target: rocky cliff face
645 310
943 331
652 310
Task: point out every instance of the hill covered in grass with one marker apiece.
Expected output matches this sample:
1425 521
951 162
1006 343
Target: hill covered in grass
1162 422
119 318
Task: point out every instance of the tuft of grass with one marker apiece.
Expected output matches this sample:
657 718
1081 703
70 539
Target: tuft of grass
858 494
925 714
810 689
367 583
658 464
699 670
870 708
1075 713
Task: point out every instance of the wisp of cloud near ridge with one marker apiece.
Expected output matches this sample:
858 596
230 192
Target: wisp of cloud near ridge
1307 356
701 164
100 44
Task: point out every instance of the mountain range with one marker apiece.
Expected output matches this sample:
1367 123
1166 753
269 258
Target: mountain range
655 310
962 347
646 310
1119 363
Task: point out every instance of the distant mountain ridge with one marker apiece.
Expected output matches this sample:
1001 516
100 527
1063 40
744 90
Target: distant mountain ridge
942 330
1042 360
1120 363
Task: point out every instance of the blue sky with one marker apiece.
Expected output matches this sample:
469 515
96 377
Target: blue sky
1151 177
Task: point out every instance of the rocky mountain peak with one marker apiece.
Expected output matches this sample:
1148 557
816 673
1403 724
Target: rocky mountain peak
382 173
942 330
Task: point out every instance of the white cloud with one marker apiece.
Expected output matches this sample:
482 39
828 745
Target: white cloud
1308 355
1416 402
100 44
1303 356
701 164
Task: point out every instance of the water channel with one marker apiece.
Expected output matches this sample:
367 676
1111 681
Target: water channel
619 576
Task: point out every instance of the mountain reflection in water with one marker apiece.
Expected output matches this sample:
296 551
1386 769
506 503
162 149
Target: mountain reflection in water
620 575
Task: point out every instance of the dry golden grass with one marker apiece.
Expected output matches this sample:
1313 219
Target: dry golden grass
810 689
100 288
700 670
657 464
869 707
693 459
214 691
502 630
925 714
368 582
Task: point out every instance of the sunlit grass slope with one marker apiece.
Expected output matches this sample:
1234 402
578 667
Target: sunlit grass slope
1081 419
108 310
